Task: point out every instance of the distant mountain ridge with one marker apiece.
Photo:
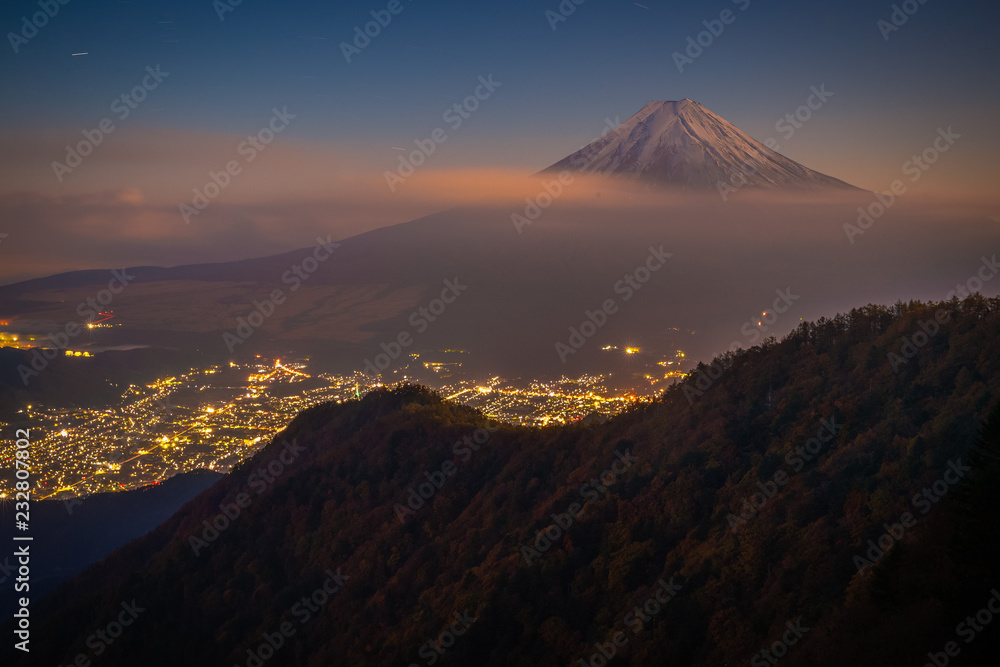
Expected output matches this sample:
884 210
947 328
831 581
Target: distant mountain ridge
682 143
364 295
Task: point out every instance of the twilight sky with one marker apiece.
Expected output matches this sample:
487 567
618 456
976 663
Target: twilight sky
558 89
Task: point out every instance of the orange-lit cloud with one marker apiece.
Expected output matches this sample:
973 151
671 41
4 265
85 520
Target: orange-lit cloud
121 205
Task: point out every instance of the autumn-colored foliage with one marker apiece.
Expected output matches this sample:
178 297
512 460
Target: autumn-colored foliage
697 505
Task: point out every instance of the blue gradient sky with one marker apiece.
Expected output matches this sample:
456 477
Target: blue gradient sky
607 59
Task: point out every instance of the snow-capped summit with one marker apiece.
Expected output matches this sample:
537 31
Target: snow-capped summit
684 144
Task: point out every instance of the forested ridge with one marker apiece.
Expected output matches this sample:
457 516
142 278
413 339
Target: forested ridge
745 501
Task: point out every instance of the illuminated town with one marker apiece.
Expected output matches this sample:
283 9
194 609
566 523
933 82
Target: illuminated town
213 418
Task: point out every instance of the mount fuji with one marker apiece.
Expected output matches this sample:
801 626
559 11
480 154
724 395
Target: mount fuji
529 291
684 144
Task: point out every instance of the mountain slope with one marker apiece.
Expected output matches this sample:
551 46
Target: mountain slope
684 144
564 264
661 521
70 535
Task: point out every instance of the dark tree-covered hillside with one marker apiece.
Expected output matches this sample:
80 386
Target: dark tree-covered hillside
828 498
